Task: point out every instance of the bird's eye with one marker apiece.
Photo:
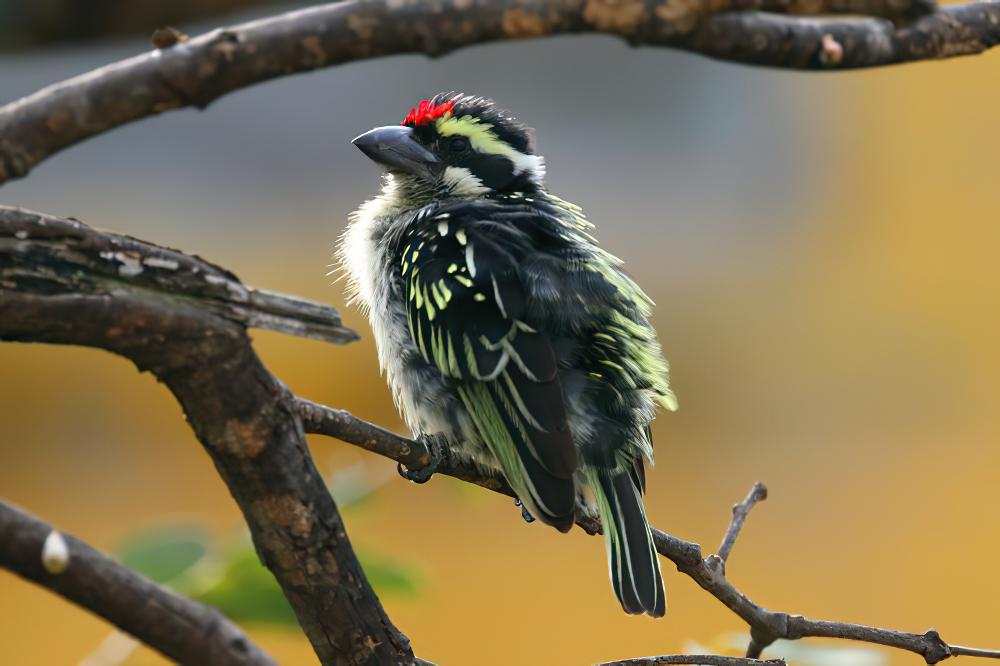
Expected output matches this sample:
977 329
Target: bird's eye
458 144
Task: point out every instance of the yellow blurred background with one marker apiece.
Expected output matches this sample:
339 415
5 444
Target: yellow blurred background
822 249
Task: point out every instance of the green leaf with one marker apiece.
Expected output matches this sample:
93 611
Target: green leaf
231 578
246 591
389 577
164 553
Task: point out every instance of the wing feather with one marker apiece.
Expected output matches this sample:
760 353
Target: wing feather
466 307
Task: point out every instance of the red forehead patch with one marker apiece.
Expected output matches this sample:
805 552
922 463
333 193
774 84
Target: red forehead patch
426 112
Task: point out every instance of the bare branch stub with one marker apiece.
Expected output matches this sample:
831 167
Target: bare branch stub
176 626
758 493
202 69
963 651
174 315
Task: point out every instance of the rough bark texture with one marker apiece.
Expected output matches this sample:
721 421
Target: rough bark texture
63 282
202 69
180 628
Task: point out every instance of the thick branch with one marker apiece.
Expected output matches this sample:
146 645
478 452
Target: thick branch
709 572
183 319
182 629
198 71
48 255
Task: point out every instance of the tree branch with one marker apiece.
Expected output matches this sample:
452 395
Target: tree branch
184 320
697 659
200 70
46 251
178 627
766 626
63 282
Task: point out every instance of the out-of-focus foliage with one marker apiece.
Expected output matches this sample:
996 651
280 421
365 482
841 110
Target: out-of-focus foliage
241 588
164 553
227 574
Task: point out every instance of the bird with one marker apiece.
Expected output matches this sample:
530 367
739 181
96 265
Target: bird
507 335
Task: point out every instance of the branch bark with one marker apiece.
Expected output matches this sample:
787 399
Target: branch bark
63 282
184 320
766 626
178 627
199 71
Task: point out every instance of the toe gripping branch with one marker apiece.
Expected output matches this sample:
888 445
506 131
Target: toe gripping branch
423 474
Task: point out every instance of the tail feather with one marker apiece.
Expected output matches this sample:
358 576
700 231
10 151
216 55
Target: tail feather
632 558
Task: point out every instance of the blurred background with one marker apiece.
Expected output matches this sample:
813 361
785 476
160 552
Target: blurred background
822 250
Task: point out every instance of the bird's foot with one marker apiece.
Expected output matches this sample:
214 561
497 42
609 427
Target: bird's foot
424 474
528 518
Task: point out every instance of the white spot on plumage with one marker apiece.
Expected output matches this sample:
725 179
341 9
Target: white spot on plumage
470 260
496 294
463 183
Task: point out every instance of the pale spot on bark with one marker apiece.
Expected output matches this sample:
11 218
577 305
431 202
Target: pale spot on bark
362 26
55 553
58 121
519 23
678 16
315 54
245 439
288 513
621 16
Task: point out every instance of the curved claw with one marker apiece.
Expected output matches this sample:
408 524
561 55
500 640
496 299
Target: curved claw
528 518
424 474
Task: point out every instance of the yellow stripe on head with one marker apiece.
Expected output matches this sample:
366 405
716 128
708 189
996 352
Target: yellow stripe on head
484 140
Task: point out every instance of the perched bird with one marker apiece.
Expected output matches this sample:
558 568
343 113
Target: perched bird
506 333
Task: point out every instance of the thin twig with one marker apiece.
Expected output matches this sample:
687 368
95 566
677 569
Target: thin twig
696 659
198 71
180 628
962 651
740 512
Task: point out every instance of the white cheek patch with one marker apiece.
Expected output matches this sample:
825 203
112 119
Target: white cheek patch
460 181
533 165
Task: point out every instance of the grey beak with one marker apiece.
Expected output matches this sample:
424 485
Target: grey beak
395 148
